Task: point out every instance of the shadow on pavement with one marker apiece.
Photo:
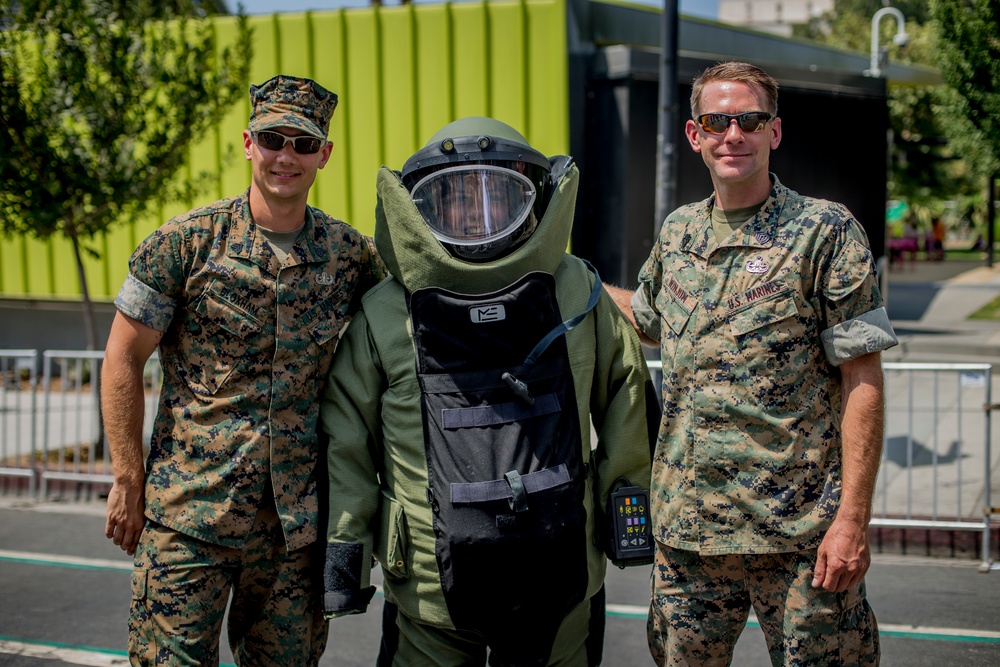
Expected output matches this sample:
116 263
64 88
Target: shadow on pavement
895 451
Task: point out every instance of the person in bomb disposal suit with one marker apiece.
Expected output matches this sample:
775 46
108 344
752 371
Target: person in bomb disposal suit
459 414
766 308
245 300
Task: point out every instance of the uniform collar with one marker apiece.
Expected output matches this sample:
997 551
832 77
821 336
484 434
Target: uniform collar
249 244
758 232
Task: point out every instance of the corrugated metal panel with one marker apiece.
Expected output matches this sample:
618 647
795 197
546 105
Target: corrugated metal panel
401 73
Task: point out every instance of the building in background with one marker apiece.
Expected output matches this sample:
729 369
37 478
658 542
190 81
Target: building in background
773 16
575 76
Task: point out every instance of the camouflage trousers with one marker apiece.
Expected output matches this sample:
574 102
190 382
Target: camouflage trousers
181 586
700 605
408 643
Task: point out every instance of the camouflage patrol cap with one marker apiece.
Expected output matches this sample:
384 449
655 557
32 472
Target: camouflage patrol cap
291 101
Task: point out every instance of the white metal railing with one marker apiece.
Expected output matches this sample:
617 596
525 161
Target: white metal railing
18 396
935 472
937 454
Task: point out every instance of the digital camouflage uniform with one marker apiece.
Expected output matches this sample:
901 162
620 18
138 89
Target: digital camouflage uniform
246 347
379 486
234 466
751 331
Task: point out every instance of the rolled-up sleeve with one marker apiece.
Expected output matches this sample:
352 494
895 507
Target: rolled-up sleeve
867 333
856 320
144 304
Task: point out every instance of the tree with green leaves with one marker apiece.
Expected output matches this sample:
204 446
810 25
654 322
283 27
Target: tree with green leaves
968 56
931 160
99 102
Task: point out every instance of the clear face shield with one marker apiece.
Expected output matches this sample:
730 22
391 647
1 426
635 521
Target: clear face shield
477 211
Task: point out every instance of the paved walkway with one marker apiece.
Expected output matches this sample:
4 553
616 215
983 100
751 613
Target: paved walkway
929 304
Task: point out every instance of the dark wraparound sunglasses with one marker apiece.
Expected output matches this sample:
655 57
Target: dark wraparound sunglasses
275 141
718 123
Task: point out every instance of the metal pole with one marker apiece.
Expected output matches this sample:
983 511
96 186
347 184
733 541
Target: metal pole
991 216
666 150
985 565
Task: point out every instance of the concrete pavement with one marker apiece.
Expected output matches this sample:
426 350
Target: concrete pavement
66 594
929 304
942 454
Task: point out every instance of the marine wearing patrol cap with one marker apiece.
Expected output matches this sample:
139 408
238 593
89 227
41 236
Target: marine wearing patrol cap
291 101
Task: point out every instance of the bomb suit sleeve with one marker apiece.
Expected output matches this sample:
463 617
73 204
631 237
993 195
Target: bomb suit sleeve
349 408
624 408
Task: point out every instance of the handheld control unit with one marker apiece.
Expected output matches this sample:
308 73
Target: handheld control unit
630 530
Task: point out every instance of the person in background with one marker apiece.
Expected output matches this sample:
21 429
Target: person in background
766 309
459 413
245 299
937 236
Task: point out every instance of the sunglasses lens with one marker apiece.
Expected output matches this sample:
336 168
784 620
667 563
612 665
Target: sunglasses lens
272 141
307 145
754 121
717 123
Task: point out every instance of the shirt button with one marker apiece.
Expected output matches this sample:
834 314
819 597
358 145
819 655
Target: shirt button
701 421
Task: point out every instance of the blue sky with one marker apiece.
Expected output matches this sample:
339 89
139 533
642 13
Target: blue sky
703 8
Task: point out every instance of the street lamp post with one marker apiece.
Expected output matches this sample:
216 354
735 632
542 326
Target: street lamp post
900 38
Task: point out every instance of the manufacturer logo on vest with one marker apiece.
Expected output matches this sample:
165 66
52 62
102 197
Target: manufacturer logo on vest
757 265
324 279
490 312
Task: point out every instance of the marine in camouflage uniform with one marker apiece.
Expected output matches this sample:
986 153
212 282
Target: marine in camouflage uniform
766 307
246 299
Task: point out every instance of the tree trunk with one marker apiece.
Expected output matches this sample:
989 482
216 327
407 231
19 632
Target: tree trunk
991 216
91 328
88 306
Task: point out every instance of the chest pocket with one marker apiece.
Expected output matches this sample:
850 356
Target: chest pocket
325 323
221 336
768 326
674 317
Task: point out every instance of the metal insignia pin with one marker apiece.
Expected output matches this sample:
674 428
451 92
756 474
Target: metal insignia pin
324 279
762 238
757 265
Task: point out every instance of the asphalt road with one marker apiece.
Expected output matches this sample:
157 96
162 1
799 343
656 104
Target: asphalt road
64 594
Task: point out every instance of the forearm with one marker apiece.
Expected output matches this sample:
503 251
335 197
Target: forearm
844 556
130 344
862 430
122 405
122 399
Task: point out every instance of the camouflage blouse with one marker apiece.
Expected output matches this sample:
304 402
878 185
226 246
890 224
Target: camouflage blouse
751 332
247 342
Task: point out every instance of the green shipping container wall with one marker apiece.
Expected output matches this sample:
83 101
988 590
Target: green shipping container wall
401 73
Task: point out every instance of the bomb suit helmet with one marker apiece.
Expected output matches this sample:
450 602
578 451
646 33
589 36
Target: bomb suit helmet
480 187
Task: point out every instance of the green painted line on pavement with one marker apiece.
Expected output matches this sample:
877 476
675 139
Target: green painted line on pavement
885 629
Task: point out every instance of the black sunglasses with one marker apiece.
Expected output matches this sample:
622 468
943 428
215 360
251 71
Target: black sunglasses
275 141
718 123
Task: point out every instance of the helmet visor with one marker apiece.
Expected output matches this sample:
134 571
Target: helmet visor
474 204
